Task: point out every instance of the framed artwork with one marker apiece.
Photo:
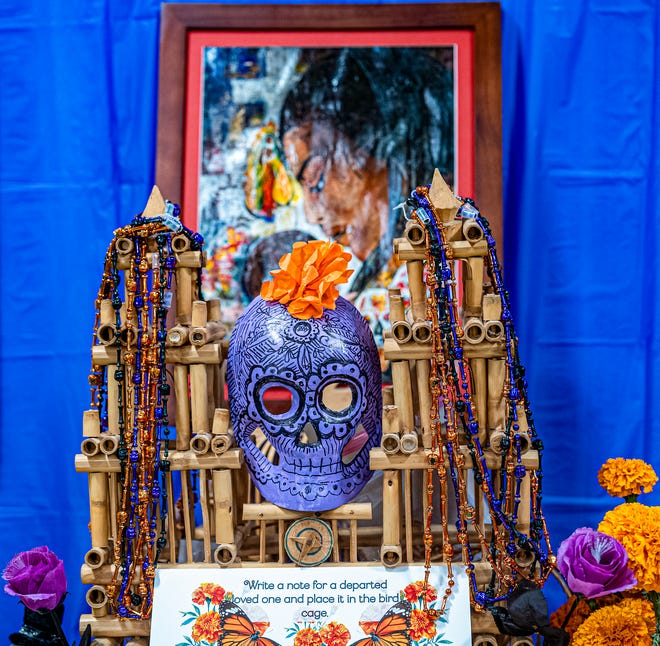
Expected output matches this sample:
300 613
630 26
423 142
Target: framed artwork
280 123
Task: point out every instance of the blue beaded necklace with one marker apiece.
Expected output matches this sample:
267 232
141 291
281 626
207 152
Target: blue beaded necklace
143 423
511 553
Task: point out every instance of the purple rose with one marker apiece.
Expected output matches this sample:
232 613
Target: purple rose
37 578
594 564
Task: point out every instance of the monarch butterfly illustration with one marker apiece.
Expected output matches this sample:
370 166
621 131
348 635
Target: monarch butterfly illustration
393 629
238 629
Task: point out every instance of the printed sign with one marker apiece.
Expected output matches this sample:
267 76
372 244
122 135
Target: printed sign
326 606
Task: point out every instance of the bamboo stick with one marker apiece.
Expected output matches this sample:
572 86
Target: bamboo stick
91 423
401 329
472 232
184 296
97 599
96 557
108 443
461 249
352 551
198 399
407 513
424 397
90 446
421 332
220 421
414 233
221 443
267 512
206 524
473 281
474 329
390 439
210 353
113 500
480 395
394 351
185 513
211 331
115 627
182 413
180 243
379 460
409 443
98 509
200 443
388 395
390 551
494 331
179 461
496 404
417 289
210 393
177 336
172 538
223 500
484 639
403 395
491 306
521 641
225 554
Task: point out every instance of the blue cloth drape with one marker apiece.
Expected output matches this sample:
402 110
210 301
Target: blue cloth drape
581 202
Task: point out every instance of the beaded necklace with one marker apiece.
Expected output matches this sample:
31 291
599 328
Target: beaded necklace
511 553
143 250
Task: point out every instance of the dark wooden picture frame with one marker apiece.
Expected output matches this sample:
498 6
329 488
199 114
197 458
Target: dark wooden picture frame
481 18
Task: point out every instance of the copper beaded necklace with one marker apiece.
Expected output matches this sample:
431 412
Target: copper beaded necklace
450 384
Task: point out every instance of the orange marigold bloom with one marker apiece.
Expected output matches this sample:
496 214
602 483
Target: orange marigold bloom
307 278
421 625
335 634
207 627
212 591
621 477
307 637
414 591
618 625
642 608
637 528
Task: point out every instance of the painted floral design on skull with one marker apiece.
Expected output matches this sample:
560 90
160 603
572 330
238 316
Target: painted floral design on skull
312 452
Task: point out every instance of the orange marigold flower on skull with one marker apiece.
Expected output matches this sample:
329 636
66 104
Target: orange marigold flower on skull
215 593
618 625
421 625
621 477
307 637
207 627
637 528
414 591
307 278
334 634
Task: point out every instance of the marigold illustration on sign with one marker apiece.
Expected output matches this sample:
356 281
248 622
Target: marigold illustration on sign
216 620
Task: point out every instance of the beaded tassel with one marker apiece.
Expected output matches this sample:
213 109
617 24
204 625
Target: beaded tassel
450 384
140 371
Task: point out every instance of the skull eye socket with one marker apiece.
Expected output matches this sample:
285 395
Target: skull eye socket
338 398
278 400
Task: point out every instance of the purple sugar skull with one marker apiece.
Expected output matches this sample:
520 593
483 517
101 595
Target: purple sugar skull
316 456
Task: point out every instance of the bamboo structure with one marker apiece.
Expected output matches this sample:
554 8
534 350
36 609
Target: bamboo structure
207 478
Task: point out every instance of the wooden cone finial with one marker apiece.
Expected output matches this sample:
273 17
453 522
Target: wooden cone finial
445 203
155 204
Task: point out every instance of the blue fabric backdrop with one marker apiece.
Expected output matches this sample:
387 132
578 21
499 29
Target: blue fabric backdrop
581 202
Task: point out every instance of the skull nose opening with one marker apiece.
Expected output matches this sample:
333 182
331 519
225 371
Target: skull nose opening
308 435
